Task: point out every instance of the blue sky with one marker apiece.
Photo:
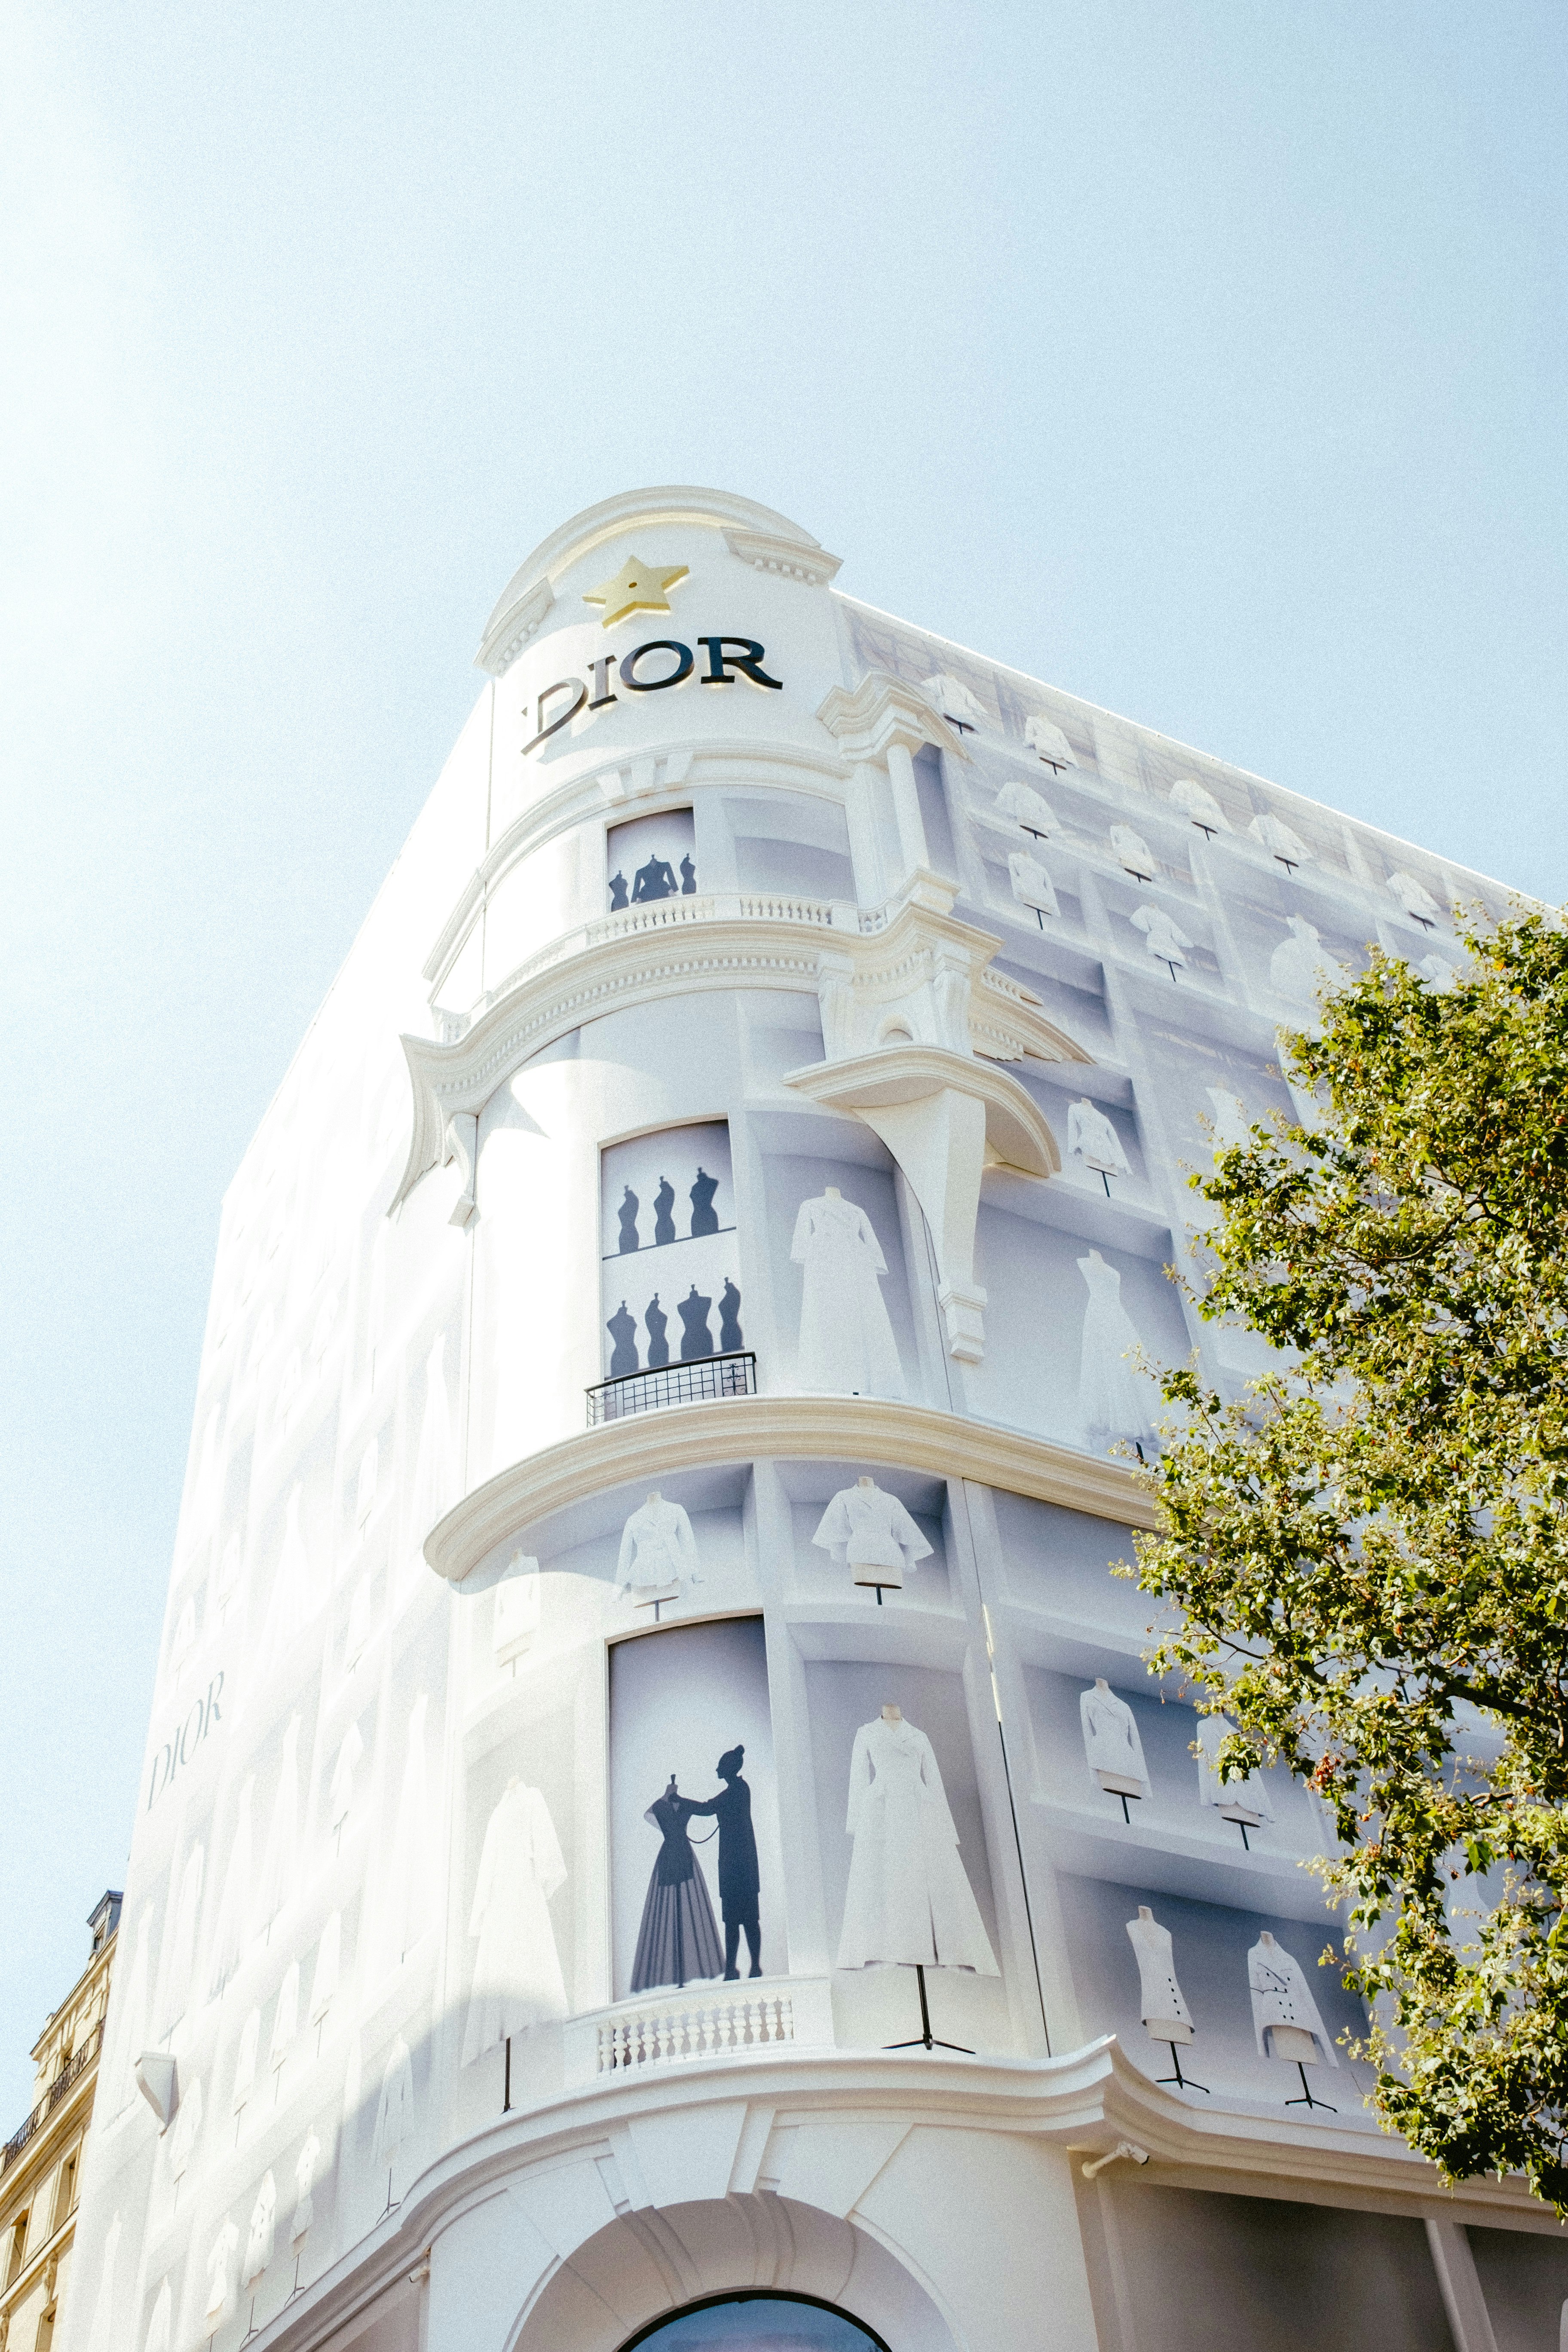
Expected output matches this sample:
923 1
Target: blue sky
1204 357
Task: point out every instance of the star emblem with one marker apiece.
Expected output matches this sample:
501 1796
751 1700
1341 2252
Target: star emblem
636 588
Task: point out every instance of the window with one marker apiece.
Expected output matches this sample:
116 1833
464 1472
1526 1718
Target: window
64 2192
781 2323
649 858
46 2334
18 2254
669 1292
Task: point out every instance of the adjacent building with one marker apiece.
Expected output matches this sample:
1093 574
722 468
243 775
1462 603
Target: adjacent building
41 2164
655 1826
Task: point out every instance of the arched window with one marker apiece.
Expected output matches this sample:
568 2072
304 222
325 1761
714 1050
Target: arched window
759 2321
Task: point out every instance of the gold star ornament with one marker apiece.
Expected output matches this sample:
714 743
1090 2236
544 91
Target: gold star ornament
636 588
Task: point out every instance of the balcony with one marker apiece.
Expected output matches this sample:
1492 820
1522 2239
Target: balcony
80 2060
698 1382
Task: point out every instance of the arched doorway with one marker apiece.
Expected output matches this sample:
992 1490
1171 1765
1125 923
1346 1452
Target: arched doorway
757 2321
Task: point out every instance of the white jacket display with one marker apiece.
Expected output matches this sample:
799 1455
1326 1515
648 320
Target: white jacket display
1415 897
1133 852
1094 1140
1032 885
907 1900
220 2274
1027 808
865 1528
846 1342
1159 1994
1281 1996
1278 839
657 1549
1199 806
517 1968
1163 935
1248 1797
1110 1740
305 2164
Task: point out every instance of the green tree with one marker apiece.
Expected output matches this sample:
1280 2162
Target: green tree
1370 1549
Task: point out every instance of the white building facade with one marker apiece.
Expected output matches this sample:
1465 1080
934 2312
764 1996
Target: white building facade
655 1818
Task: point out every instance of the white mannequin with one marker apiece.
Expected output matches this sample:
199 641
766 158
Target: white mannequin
1200 806
1032 885
1092 1138
517 1967
1285 2017
846 1342
871 1534
908 1902
1244 1802
1162 936
1135 852
1279 840
1165 2013
1111 1742
1050 743
1028 809
659 1552
1300 966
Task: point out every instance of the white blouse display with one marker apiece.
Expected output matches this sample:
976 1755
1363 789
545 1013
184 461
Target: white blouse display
1238 1800
220 2274
953 700
1093 1139
1028 808
847 1343
1111 1746
1032 885
1199 806
658 1549
1161 2005
1279 840
1282 1997
517 1968
1113 1394
1162 936
872 1535
305 2164
1043 736
909 1901
1134 853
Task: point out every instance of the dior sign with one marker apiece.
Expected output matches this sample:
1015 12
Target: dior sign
179 1747
648 669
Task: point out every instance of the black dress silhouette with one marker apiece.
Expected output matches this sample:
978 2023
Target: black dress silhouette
628 1214
653 880
658 1323
730 1333
618 893
622 1329
663 1202
687 878
739 1879
696 1339
679 1937
704 1216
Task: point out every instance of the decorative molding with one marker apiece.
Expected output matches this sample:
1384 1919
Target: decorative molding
463 1146
901 1076
747 1429
883 711
509 630
767 552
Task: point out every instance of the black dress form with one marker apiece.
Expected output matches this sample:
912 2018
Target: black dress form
658 1323
618 893
730 1336
688 877
622 1329
653 880
696 1339
663 1222
704 1217
679 1937
739 1879
628 1214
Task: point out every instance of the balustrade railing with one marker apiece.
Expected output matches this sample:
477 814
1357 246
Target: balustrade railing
81 2060
686 1383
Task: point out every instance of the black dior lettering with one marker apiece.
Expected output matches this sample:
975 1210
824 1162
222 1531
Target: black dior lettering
579 693
160 1764
599 672
719 663
213 1687
656 646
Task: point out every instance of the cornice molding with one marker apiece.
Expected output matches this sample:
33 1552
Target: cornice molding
880 710
1016 1126
768 552
746 1429
509 627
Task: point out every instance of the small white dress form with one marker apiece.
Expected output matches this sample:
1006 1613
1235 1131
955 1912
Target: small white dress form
1417 900
1286 2021
1032 885
517 1968
276 1883
183 1947
1301 967
304 2216
394 2108
1112 1748
244 2061
1113 1394
516 1618
1162 936
1092 1138
1236 1800
953 700
908 1902
327 1968
1027 808
340 1788
434 1477
284 2017
1279 840
847 1343
1134 853
1043 736
871 1534
261 2236
220 2275
1199 806
659 1551
1161 2006
413 1847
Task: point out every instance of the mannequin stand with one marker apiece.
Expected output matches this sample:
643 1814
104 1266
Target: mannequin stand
506 2087
925 2039
1171 967
1106 1181
1121 1796
296 2288
1307 2099
388 2207
251 2329
1183 2081
1246 1841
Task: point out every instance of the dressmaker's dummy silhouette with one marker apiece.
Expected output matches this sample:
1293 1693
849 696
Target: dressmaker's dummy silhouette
622 1329
739 1882
688 877
653 880
696 1339
658 1323
730 1334
618 893
704 1216
627 1215
663 1222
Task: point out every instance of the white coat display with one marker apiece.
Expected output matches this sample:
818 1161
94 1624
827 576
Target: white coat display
434 1467
953 700
244 2061
285 2017
229 1937
183 1945
516 1618
517 1968
1161 2005
907 1901
187 2129
1027 808
871 1534
1134 853
406 1896
1163 935
846 1342
305 2164
394 2108
262 2234
101 2335
220 2275
658 1550
1032 885
1279 840
1043 736
328 1969
1301 967
340 1788
1093 1139
1113 1394
276 1883
1416 898
1282 1999
1199 806
1112 1746
1238 1800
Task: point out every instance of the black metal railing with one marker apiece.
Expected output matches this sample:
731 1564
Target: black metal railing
71 2073
689 1383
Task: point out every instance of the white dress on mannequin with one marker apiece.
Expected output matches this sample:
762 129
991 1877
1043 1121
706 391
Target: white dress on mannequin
907 1900
1111 1746
517 1968
1282 2005
1238 1801
1027 808
305 2164
1301 967
1113 1394
1163 935
328 1969
658 1549
1093 1139
867 1530
1032 885
847 1340
1200 806
276 1883
183 1949
220 2275
394 2108
262 2235
434 1479
1161 2005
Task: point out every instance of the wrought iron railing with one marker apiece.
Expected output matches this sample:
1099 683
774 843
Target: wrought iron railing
687 1383
79 2061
